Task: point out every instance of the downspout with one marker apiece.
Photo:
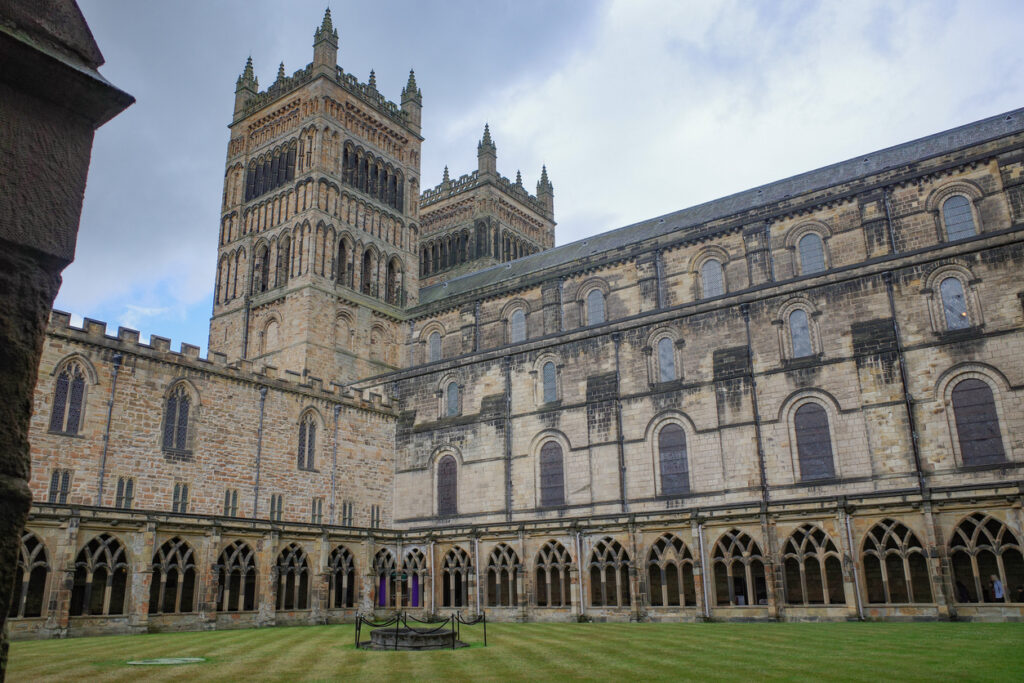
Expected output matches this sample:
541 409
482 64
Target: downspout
432 576
259 451
476 326
768 249
888 221
745 310
334 463
579 575
245 327
908 400
704 569
853 565
660 291
476 569
106 434
617 339
508 439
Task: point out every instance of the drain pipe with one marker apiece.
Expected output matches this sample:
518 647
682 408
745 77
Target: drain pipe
704 569
334 463
617 340
476 568
432 575
579 566
853 565
259 451
106 434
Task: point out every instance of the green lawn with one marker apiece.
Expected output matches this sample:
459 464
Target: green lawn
741 652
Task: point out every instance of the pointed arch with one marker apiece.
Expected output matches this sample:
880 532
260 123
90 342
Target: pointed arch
738 568
895 565
29 597
172 589
455 572
292 571
609 574
100 585
670 579
236 578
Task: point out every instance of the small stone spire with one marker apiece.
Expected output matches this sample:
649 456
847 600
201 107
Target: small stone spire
373 80
546 191
519 178
247 73
487 153
325 45
246 87
411 85
486 141
544 182
327 25
412 102
280 72
445 179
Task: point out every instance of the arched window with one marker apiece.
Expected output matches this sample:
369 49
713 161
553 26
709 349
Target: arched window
666 360
609 574
517 326
813 568
447 486
712 279
675 475
954 304
553 585
68 399
502 572
434 347
307 441
812 254
956 214
412 580
262 269
342 584
984 551
977 423
343 273
176 419
550 376
813 442
455 571
895 565
739 570
552 481
595 307
451 399
670 573
800 333
236 578
384 570
173 587
284 260
101 578
292 578
29 595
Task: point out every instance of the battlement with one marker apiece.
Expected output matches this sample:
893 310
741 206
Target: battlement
469 181
369 397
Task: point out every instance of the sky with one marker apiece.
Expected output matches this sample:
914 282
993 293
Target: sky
637 107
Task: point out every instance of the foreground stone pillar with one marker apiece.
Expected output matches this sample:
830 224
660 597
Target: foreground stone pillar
52 99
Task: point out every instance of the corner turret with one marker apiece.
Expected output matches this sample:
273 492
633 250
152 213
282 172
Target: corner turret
325 46
246 87
412 102
546 191
487 154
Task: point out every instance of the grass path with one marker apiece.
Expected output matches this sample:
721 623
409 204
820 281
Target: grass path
728 652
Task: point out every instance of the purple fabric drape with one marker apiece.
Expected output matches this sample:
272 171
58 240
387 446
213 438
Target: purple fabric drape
415 601
382 593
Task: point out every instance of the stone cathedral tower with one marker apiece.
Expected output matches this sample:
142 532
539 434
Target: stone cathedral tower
318 248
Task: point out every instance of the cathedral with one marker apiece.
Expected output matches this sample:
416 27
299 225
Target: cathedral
801 402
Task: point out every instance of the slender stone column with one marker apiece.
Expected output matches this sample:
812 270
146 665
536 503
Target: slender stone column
143 546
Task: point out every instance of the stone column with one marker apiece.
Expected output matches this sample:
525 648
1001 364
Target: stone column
851 563
266 590
143 545
207 576
939 566
699 570
62 579
772 578
367 593
320 581
52 99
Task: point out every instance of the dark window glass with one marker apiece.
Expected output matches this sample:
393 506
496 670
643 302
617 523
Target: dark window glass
552 480
666 360
452 399
675 476
60 399
813 442
517 327
954 305
977 423
956 212
800 332
434 345
595 307
812 254
176 420
447 486
550 386
712 279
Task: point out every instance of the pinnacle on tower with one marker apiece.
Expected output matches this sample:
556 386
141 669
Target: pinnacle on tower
325 45
280 72
410 87
544 182
327 24
486 141
412 102
519 178
247 73
487 153
546 191
373 80
246 87
445 178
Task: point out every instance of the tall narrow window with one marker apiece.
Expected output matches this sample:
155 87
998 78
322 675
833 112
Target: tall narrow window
675 476
125 492
517 326
550 382
176 420
712 279
552 479
68 396
307 442
231 503
317 513
813 442
60 484
956 214
595 307
812 254
434 347
666 360
954 304
451 399
800 333
447 486
179 504
276 507
977 423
